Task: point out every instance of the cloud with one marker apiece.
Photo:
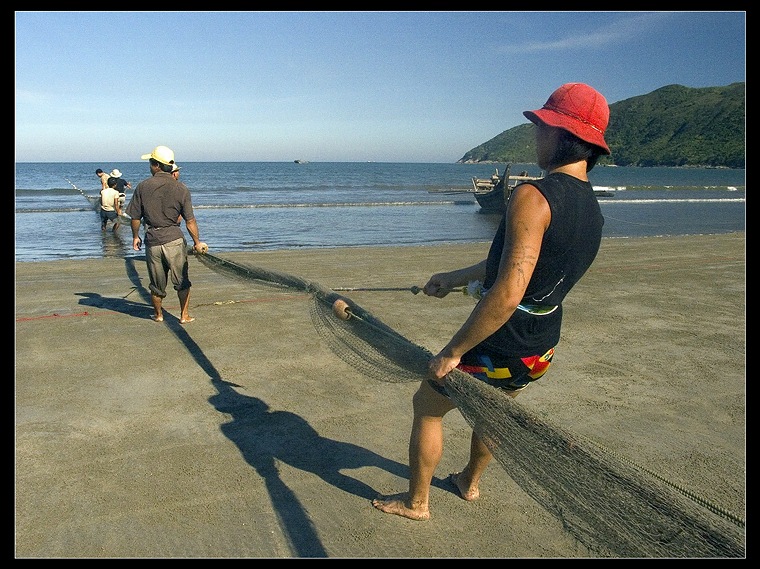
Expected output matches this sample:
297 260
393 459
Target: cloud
621 31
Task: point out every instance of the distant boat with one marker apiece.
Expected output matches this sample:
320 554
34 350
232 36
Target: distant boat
301 161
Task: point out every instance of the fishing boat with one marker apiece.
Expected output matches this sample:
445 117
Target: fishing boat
489 192
492 194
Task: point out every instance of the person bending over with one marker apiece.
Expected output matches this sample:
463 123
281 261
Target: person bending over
110 205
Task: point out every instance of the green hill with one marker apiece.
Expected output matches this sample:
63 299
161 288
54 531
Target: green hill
672 126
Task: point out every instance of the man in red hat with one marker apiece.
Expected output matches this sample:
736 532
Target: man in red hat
547 239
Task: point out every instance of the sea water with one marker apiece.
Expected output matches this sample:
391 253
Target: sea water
256 206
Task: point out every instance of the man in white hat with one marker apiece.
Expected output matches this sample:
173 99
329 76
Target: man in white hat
162 201
122 185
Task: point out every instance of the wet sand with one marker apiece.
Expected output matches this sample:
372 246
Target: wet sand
241 435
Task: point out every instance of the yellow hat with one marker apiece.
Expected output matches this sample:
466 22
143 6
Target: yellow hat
161 154
175 168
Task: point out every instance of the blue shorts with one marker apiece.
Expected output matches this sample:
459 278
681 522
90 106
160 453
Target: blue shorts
106 215
507 373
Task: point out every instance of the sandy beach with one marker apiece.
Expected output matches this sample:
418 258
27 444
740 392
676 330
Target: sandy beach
242 435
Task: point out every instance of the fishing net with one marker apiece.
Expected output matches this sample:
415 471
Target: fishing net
609 504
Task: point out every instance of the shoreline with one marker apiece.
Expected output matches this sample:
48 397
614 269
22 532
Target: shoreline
140 256
210 440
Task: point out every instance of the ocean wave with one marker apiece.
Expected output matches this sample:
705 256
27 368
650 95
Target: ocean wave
673 200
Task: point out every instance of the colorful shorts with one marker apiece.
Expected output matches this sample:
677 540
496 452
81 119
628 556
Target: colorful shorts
510 374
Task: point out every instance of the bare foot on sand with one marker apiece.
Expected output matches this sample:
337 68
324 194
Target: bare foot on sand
396 504
466 491
187 320
157 318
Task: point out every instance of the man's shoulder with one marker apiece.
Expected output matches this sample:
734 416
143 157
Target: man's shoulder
146 181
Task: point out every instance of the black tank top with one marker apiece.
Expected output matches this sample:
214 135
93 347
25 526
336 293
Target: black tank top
569 246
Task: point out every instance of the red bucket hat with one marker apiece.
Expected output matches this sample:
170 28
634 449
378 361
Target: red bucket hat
579 109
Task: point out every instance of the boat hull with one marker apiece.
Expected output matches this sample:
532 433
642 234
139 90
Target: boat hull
492 201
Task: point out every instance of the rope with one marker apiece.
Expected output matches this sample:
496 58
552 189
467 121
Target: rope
413 289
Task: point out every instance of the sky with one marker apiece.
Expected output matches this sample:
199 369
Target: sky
327 86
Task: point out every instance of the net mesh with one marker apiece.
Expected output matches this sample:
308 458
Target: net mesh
609 504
